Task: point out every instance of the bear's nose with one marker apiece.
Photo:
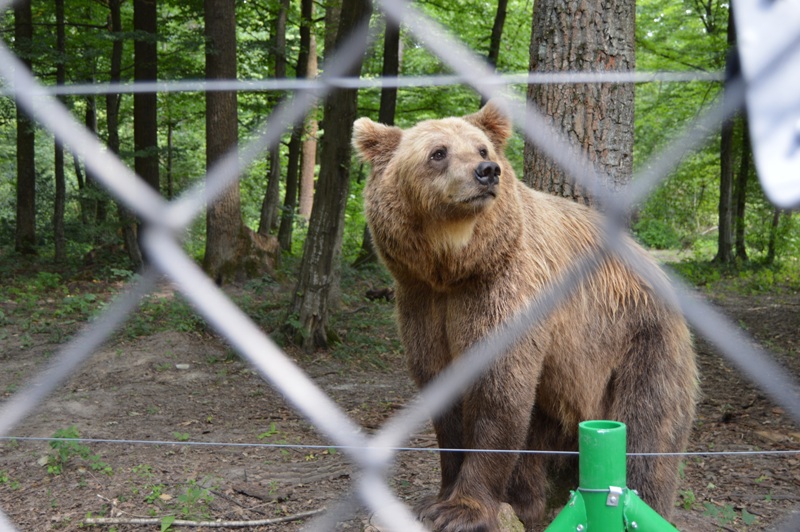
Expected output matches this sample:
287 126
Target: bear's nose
487 173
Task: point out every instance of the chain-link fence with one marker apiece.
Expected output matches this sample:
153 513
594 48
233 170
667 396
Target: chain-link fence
164 221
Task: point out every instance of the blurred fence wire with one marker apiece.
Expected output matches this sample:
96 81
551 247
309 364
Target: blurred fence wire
163 222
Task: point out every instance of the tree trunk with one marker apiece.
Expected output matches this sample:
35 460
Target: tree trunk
128 222
595 118
145 104
296 142
493 55
773 236
233 252
269 207
26 148
60 181
319 270
740 192
308 160
725 225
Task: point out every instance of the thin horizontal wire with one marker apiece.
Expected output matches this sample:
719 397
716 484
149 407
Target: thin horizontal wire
271 362
302 446
295 84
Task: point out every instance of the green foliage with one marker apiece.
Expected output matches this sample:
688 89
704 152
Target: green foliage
726 514
65 448
158 313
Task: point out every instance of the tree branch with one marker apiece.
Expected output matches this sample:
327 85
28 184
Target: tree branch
199 524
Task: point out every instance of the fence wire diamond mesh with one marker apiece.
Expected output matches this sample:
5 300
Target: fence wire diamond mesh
164 221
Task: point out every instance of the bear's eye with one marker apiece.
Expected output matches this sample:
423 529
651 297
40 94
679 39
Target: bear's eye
439 154
483 152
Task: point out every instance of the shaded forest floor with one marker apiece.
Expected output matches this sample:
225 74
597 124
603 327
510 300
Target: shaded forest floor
167 378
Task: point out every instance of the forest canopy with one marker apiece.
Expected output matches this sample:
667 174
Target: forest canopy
681 214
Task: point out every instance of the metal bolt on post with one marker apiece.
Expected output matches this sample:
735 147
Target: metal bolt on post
602 502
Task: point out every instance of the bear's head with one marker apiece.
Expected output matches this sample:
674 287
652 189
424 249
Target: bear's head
446 170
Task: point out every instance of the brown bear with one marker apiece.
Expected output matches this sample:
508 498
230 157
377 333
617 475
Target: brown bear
469 245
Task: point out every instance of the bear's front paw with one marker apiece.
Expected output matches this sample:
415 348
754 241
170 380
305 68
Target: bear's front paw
459 514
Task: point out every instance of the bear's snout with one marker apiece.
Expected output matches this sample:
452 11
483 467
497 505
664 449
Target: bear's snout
487 173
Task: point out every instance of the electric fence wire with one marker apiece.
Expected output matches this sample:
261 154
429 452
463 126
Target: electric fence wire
312 447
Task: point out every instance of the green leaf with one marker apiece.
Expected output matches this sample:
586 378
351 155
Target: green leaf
166 522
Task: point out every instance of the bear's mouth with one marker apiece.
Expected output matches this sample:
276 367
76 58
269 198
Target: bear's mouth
483 196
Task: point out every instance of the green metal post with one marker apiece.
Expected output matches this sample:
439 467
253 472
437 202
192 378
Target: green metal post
602 473
603 503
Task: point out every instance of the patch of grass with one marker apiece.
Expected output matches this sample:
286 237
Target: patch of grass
66 449
747 278
726 514
158 314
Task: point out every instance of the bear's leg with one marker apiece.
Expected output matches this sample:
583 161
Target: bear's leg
531 490
448 430
654 395
495 415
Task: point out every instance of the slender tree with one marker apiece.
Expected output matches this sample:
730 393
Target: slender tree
58 161
595 118
127 220
26 149
740 191
296 141
493 55
386 112
308 160
145 104
269 207
319 270
726 207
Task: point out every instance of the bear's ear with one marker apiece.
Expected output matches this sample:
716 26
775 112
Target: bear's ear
375 143
494 121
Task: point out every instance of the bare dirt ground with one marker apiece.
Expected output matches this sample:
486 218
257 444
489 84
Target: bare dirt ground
189 387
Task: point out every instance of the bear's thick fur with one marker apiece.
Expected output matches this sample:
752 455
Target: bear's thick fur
469 245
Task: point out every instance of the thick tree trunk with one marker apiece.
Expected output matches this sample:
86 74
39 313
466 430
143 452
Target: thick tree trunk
26 147
596 118
308 160
740 193
59 236
233 252
319 270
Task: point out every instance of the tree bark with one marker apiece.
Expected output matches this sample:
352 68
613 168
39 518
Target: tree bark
269 207
740 193
233 251
296 143
308 160
145 105
128 222
319 270
26 140
493 55
725 225
59 236
595 118
773 236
